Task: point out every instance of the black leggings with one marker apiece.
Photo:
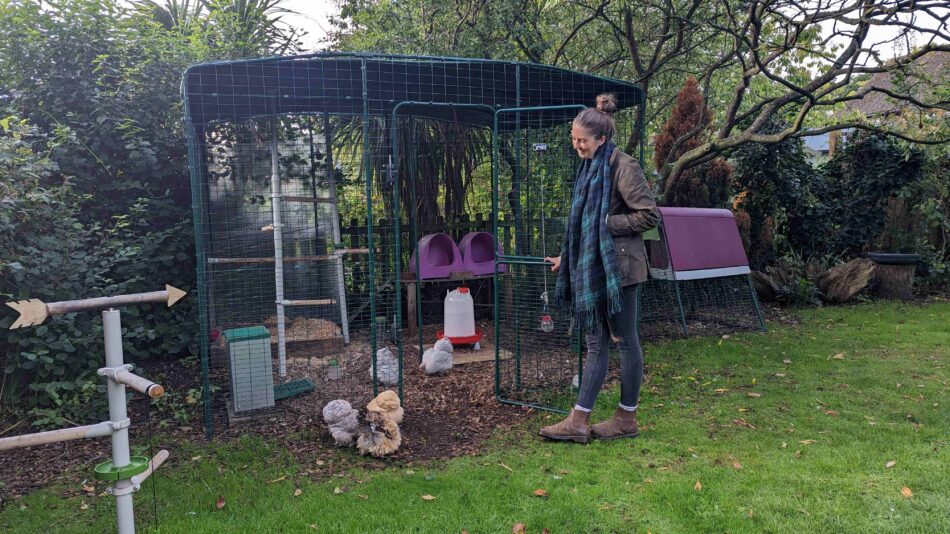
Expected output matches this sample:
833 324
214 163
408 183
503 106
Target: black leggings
631 356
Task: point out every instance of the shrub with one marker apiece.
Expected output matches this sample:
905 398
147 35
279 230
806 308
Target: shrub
48 252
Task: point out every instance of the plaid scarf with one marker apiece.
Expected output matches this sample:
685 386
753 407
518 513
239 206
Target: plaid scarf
588 280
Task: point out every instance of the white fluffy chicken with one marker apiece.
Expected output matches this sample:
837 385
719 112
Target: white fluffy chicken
387 367
343 421
438 359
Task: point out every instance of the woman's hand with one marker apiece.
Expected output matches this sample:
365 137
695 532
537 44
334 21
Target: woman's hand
556 261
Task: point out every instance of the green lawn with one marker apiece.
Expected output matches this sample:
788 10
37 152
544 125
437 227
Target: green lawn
789 431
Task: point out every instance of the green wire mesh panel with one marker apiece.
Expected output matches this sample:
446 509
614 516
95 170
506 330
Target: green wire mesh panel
711 306
538 354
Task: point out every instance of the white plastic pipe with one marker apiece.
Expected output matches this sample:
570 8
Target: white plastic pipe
335 225
278 252
112 330
97 430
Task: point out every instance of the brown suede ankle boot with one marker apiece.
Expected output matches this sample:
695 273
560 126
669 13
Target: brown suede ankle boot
574 428
623 424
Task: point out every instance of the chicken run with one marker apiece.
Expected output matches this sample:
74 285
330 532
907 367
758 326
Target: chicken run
339 197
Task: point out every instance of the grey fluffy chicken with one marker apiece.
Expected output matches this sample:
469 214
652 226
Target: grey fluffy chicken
387 367
343 421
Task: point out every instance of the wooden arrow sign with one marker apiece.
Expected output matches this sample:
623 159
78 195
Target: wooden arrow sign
35 311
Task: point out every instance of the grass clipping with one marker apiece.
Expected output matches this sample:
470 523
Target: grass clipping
842 282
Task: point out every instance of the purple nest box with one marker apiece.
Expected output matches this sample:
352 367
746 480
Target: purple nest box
438 257
479 252
698 243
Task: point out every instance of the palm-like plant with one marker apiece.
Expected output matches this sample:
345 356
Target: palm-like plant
179 15
253 27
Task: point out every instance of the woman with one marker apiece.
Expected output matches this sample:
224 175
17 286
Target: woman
602 261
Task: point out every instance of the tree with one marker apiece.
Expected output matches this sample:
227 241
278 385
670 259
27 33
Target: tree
789 70
705 186
754 60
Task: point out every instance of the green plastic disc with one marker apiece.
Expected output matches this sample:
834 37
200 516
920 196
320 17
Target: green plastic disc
106 471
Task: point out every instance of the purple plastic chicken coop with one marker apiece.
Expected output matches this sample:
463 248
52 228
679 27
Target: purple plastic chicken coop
698 243
438 257
699 264
478 253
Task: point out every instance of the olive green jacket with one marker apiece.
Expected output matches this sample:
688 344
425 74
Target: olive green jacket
632 211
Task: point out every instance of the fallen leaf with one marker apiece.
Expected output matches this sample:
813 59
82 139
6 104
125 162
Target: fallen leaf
277 479
720 390
839 356
784 445
564 471
726 336
518 528
786 361
88 489
313 526
540 493
298 492
905 491
545 531
195 458
736 464
742 422
780 375
364 497
428 497
753 394
83 506
464 531
506 467
832 413
648 481
807 441
340 489
890 464
698 486
320 462
750 512
219 504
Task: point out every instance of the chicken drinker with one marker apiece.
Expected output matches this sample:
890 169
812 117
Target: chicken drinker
460 318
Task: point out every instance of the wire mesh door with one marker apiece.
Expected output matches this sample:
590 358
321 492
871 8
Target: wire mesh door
537 345
292 294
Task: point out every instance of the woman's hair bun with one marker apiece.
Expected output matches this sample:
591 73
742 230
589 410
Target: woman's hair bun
607 103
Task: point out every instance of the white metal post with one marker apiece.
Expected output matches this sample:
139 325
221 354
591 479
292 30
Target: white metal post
112 331
278 252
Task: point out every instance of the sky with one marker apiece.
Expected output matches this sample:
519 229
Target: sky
312 16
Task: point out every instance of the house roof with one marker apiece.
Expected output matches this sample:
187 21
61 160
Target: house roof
463 90
923 75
